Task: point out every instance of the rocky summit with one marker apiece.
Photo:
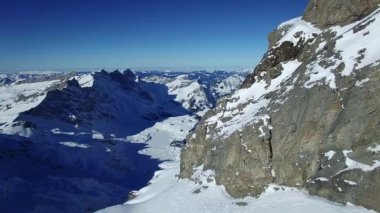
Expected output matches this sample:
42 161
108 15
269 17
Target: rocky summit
307 116
326 13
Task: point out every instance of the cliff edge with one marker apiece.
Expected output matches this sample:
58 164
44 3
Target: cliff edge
307 116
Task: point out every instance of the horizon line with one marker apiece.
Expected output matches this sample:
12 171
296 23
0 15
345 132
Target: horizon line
142 68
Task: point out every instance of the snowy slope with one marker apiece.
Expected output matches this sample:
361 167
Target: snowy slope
355 47
21 97
227 85
64 146
26 90
167 193
190 94
28 77
196 91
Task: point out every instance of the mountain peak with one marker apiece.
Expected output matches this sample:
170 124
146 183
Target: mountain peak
73 83
130 74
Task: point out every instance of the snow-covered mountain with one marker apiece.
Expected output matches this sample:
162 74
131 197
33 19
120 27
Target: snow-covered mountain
307 116
199 90
226 85
65 138
29 77
63 141
21 92
114 104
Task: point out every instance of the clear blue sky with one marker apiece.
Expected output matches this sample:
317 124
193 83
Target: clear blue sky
77 34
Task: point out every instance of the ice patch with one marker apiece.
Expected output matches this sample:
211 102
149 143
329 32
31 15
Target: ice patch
375 149
97 135
273 173
351 164
75 145
265 120
323 179
330 154
319 75
352 183
362 82
58 131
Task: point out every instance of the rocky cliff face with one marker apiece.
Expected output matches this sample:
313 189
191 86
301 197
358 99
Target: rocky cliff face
326 13
308 116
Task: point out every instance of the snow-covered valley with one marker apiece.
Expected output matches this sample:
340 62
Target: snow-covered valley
68 141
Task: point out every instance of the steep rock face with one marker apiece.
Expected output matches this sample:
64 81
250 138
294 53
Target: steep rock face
326 13
271 62
306 117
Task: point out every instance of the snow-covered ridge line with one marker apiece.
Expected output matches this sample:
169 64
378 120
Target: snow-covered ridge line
350 45
196 91
297 29
356 45
250 113
18 98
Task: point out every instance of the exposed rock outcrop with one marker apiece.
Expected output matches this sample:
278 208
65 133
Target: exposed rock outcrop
306 117
326 13
271 62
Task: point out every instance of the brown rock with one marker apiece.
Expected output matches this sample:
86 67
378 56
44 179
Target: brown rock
326 13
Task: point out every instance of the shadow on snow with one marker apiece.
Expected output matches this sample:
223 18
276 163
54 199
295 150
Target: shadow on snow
77 159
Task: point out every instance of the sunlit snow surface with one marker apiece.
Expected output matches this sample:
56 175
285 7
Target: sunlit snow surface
85 80
294 26
189 93
14 99
356 49
250 113
197 91
167 193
